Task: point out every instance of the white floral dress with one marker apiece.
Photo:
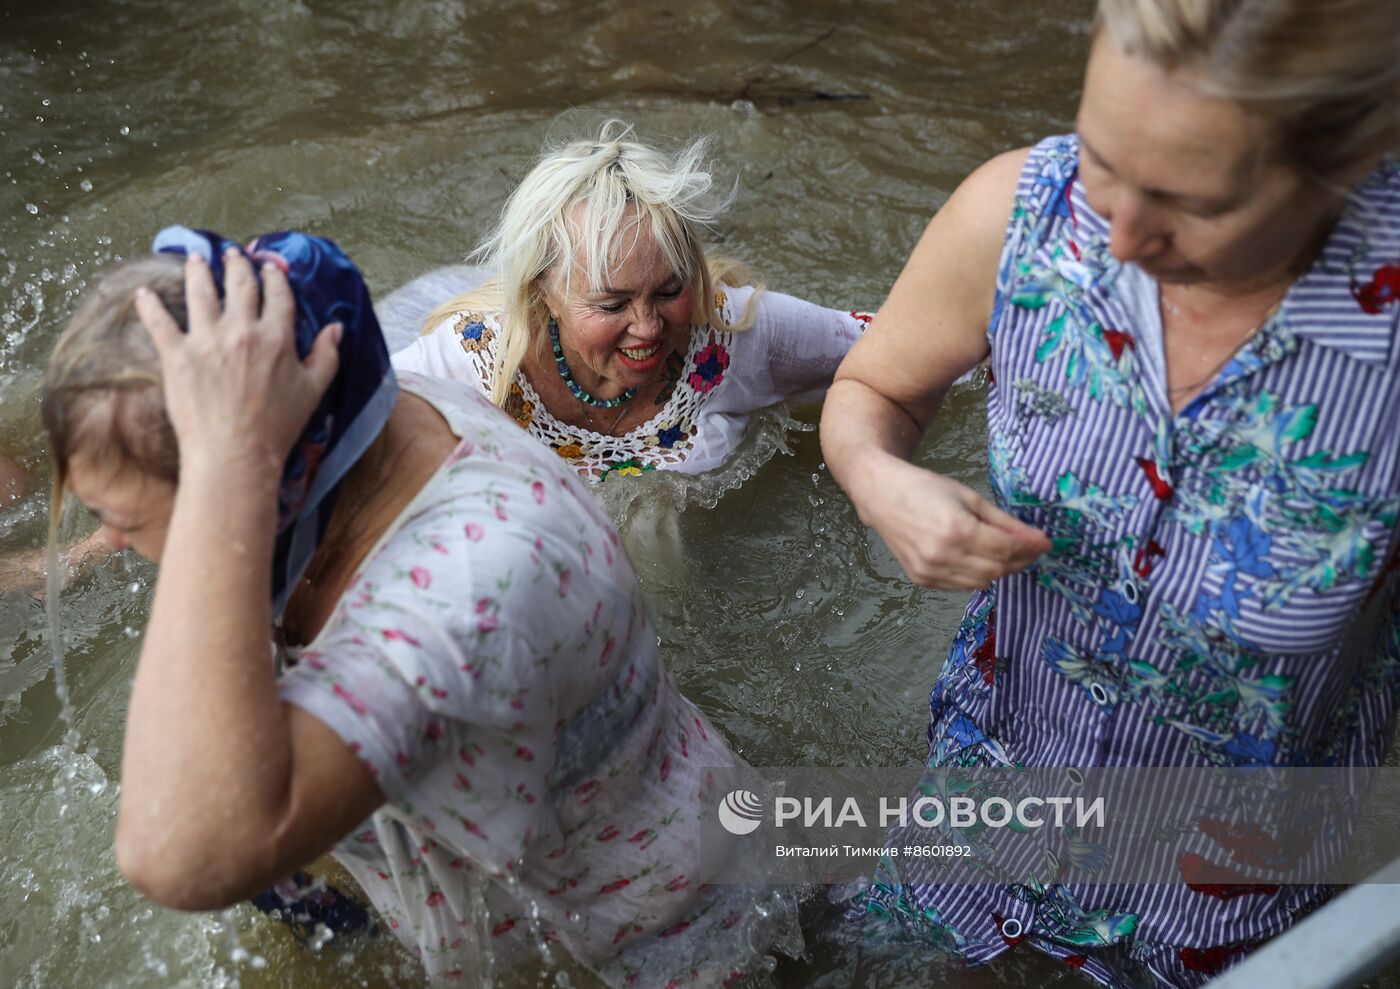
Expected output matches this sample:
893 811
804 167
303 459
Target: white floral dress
494 666
793 347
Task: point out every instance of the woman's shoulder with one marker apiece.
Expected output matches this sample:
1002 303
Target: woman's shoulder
991 189
502 507
731 301
966 236
403 311
474 329
480 426
1039 176
460 345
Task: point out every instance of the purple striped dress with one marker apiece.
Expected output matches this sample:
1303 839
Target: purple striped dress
1208 601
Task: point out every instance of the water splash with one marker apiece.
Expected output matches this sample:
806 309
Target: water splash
766 435
645 507
53 585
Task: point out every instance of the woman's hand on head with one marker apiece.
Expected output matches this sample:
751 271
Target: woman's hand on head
235 389
946 535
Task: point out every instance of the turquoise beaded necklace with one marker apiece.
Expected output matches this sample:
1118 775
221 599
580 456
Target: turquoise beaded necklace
573 386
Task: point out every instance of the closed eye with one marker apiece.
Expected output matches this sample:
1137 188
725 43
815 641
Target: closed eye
1203 209
671 291
116 524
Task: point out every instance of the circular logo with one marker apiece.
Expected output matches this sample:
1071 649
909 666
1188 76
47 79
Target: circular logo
741 812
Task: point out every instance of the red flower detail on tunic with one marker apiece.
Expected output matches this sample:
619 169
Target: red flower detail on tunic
1380 291
710 365
1142 562
1161 489
1117 340
1210 959
1252 845
1218 881
985 656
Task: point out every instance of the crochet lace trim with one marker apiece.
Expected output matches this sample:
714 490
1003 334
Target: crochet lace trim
666 439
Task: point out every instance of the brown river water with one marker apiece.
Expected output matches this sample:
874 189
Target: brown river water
398 128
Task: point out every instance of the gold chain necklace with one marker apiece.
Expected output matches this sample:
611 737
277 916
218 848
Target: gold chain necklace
1234 349
588 413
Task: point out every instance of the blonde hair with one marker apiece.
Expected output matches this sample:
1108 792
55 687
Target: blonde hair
589 201
103 387
1326 71
103 384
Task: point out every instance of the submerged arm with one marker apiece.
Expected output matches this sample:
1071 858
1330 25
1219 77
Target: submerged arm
27 570
931 330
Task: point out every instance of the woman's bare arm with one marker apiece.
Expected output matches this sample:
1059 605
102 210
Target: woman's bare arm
225 788
931 330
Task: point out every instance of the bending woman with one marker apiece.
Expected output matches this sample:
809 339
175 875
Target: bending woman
473 711
607 334
1190 311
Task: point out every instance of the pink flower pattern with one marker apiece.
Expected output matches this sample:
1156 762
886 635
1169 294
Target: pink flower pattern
445 688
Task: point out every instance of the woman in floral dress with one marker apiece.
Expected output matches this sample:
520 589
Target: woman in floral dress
607 334
473 716
1189 307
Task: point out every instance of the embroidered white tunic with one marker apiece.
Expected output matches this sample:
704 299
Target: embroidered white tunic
793 347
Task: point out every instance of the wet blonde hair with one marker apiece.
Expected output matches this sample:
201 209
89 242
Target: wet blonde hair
103 390
1326 71
588 201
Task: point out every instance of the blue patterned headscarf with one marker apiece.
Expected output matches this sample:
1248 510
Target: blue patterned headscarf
328 288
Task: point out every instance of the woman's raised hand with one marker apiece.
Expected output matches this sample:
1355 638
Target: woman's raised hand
943 533
234 387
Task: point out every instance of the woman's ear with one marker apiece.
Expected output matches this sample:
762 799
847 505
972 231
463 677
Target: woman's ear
1351 174
1363 161
543 289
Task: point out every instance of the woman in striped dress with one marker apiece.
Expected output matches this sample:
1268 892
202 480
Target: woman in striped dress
1190 318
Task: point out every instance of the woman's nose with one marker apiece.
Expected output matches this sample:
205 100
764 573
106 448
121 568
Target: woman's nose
115 538
647 323
1133 231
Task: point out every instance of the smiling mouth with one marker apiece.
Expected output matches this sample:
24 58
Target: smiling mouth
640 353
